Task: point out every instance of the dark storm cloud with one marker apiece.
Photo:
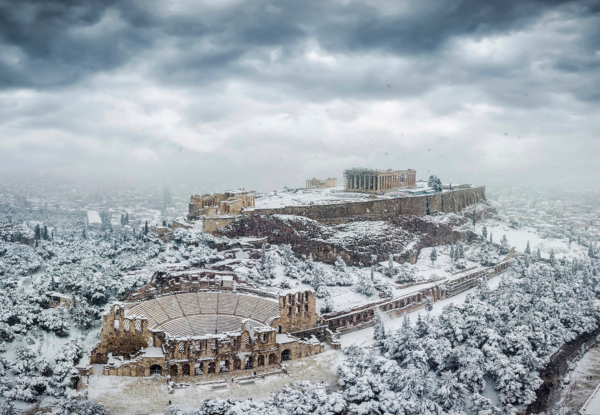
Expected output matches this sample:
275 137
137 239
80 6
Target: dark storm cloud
55 51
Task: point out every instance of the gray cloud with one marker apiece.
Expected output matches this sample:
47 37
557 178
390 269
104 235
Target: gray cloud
261 94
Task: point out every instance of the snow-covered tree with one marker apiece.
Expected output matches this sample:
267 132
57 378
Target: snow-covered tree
435 183
504 247
379 328
365 285
433 256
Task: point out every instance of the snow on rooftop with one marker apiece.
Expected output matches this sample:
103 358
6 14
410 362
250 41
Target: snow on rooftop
93 217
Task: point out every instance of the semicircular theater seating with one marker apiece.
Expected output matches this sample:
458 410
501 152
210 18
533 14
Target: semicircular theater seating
200 313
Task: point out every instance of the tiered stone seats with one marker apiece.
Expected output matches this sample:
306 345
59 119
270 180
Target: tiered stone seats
203 324
138 311
228 323
171 306
189 303
264 310
245 306
227 303
151 310
178 327
195 314
208 302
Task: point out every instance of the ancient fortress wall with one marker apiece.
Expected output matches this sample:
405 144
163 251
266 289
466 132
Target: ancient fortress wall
378 209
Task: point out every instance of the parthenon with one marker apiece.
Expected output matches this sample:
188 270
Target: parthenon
371 180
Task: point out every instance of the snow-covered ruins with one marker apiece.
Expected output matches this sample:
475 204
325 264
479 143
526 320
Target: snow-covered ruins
415 299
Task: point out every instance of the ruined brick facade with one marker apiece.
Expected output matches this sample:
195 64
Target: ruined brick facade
228 203
205 333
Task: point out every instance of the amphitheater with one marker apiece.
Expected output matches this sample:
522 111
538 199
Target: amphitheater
198 314
206 333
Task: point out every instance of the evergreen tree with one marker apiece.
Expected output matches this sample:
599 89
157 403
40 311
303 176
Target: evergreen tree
504 247
527 248
263 257
552 258
435 183
433 256
146 228
539 254
164 222
45 233
591 253
127 218
422 328
452 252
428 305
461 252
37 232
84 234
474 218
491 238
379 329
484 233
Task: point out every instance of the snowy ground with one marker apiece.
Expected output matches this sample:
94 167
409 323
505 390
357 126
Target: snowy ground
305 197
126 395
519 238
583 380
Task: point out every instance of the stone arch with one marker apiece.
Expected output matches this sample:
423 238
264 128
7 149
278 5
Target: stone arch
261 360
237 364
286 355
212 366
173 370
185 369
199 369
155 370
225 366
249 362
272 359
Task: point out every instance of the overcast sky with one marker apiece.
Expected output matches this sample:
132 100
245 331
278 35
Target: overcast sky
262 94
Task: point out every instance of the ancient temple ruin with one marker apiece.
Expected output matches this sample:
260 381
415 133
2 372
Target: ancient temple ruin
371 180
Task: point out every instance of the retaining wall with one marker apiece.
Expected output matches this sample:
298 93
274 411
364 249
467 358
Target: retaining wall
380 209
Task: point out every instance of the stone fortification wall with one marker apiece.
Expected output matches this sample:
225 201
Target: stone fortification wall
380 209
347 321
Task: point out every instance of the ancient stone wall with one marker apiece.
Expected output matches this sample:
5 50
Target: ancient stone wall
347 321
380 209
212 223
298 311
120 336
